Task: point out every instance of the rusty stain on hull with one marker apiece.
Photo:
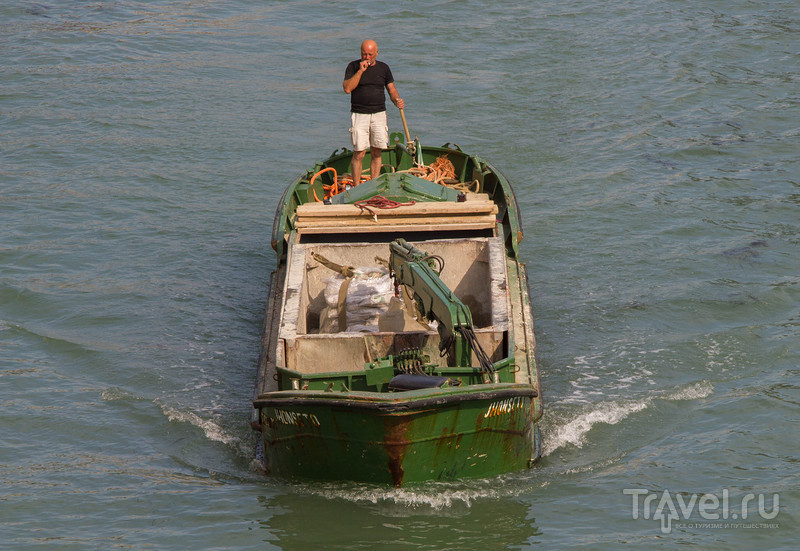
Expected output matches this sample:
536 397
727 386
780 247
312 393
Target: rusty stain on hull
396 444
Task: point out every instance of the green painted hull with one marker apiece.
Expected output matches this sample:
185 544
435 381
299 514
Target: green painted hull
334 422
472 432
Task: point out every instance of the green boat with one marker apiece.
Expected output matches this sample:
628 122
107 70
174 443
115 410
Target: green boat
398 342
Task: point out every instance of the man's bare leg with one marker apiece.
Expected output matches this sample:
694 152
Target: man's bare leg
357 166
375 161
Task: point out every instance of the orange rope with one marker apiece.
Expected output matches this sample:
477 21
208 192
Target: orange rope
338 185
443 167
326 188
442 171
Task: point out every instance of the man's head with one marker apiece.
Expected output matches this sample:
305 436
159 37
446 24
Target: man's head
369 51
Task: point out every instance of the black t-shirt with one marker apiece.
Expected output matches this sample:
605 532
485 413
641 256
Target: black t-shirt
368 97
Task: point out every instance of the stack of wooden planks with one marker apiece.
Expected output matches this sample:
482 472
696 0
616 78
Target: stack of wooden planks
476 213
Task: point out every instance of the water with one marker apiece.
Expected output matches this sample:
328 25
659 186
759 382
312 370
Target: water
144 145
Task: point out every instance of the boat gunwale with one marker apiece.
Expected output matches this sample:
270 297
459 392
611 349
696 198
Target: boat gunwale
391 402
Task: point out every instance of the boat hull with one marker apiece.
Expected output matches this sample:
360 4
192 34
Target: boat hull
434 435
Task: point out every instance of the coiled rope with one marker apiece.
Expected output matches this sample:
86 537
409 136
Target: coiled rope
330 190
441 171
379 202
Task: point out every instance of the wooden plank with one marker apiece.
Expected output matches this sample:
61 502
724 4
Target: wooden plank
370 221
388 227
269 335
310 210
352 210
380 214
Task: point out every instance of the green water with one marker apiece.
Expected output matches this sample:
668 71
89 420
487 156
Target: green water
654 150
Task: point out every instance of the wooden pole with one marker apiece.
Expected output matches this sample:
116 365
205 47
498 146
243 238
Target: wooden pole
405 126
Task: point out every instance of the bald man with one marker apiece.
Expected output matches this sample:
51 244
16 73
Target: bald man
365 80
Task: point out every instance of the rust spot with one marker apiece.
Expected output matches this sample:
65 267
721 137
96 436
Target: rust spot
396 443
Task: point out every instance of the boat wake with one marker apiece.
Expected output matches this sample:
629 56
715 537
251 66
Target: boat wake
574 431
436 496
212 430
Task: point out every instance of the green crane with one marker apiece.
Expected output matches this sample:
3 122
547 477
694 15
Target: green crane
419 272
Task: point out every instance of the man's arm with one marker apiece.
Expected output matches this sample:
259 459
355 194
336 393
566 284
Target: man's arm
394 95
351 83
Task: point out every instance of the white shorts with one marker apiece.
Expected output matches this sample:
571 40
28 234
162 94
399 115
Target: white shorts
369 131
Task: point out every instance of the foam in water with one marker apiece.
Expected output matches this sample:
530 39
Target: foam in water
435 495
211 429
112 394
703 389
574 431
